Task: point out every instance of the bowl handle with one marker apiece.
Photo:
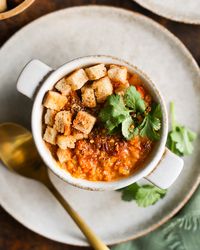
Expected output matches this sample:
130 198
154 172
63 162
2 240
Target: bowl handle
167 170
31 76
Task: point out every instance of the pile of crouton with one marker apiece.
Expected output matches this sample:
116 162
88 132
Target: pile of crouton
96 83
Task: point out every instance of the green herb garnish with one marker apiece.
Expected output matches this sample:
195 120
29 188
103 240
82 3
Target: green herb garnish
180 138
152 124
128 130
133 100
114 112
122 112
144 195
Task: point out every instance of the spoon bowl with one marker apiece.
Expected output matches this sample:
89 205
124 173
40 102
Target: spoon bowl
19 154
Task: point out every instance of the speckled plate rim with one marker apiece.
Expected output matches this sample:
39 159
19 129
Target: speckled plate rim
163 13
196 69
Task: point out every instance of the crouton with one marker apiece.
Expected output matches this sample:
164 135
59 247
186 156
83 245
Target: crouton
77 79
96 72
78 135
121 88
88 97
50 135
49 117
63 122
63 87
84 122
54 100
63 155
103 88
117 73
65 142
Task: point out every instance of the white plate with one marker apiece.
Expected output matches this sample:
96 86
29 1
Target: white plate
187 11
80 31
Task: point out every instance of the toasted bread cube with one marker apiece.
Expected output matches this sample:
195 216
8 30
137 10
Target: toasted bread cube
88 97
54 100
65 142
63 155
50 135
117 73
84 122
63 121
77 79
63 87
49 117
121 88
96 72
79 135
103 88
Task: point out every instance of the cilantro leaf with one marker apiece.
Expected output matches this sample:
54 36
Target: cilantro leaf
151 124
105 113
114 107
147 129
156 111
180 141
191 135
144 195
180 138
129 192
156 123
133 100
128 130
148 195
114 112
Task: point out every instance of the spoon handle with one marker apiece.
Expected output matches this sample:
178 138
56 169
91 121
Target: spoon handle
94 240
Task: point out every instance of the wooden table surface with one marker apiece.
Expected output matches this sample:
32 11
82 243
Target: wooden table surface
14 236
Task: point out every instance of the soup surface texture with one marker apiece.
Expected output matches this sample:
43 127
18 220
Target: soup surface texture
100 123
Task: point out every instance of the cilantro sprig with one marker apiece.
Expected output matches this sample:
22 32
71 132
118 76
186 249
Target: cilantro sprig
144 195
180 138
121 113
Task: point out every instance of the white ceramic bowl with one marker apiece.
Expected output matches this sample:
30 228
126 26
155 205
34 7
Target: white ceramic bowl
162 167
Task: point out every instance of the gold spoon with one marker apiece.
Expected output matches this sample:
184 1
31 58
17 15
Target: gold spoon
18 153
3 5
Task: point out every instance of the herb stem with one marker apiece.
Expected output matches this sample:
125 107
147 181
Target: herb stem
173 116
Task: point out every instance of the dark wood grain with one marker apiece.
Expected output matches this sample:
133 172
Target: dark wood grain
14 236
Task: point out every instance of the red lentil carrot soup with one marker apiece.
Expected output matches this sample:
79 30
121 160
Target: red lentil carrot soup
100 123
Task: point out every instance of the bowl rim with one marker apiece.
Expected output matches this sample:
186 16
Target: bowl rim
17 10
45 153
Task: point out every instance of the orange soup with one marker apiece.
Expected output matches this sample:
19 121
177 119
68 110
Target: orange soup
100 123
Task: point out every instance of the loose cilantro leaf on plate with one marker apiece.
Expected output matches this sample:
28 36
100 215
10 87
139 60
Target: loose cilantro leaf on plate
133 100
151 124
129 192
148 195
180 138
144 195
